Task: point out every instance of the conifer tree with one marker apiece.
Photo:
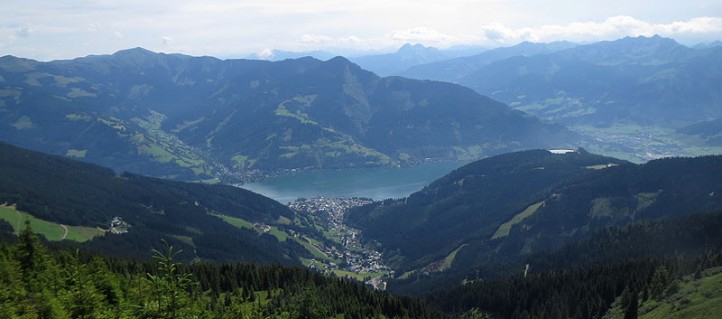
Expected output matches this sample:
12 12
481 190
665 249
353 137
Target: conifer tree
632 309
169 286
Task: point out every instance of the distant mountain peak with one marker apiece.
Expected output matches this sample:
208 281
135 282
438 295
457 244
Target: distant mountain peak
655 39
339 59
134 52
408 47
418 50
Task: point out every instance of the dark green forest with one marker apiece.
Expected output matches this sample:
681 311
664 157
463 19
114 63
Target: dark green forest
75 193
630 265
583 279
179 260
576 193
37 281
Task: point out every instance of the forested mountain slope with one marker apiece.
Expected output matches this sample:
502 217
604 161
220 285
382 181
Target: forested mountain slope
513 205
73 193
197 118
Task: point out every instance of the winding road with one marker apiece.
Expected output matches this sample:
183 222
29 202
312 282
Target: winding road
65 234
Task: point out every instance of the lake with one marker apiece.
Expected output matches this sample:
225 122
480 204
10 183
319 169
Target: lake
375 183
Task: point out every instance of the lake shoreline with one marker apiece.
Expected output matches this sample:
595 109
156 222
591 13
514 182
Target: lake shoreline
377 183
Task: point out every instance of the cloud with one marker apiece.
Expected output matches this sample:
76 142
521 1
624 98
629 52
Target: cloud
315 39
266 54
611 28
350 39
23 31
420 34
230 29
496 32
167 40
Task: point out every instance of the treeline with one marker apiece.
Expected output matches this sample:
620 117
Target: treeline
467 206
642 261
36 282
75 193
575 293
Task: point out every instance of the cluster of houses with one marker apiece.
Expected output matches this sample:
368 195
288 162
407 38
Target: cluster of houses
356 257
118 226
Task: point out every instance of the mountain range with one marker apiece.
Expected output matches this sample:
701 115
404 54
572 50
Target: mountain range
454 69
553 232
506 207
641 81
201 118
407 56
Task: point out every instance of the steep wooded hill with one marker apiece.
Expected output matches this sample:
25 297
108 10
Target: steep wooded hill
74 193
513 205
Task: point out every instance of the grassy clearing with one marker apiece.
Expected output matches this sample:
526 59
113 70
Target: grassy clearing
309 243
450 258
344 273
164 147
281 235
696 299
313 250
300 116
504 229
50 230
76 153
360 276
235 221
700 298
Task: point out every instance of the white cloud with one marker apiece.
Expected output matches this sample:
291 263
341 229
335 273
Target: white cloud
315 39
609 29
266 54
167 40
45 29
497 32
23 31
420 34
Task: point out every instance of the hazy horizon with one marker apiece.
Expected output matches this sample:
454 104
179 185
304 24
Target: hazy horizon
48 30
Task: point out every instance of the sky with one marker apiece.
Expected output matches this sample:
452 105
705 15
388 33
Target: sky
63 29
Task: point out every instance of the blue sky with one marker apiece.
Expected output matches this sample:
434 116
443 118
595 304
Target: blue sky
47 30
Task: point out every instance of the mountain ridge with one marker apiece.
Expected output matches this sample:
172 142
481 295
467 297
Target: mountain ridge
641 80
508 206
75 193
201 118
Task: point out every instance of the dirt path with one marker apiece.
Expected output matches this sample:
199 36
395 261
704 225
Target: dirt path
65 234
20 221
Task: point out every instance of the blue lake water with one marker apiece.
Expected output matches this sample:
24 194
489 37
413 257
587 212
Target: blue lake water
374 183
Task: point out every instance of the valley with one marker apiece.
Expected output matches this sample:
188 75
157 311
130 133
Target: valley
640 144
343 252
545 180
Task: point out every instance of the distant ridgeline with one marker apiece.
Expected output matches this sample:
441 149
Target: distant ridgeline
652 81
201 118
127 214
507 207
